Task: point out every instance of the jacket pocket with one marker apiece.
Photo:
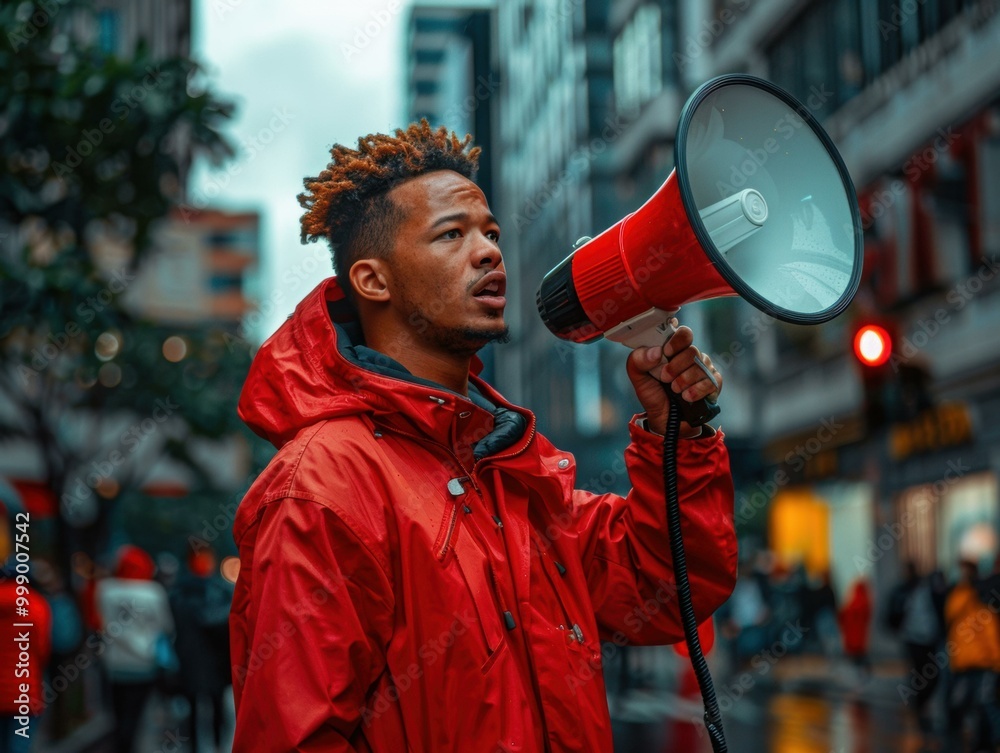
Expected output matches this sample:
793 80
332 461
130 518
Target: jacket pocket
475 569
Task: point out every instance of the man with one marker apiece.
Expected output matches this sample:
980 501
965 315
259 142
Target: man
417 571
973 644
915 616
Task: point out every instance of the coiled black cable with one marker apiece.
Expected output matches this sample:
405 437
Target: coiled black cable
713 718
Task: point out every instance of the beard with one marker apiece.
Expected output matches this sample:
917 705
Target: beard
462 341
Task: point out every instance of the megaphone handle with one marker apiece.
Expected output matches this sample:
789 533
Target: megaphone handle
700 411
653 328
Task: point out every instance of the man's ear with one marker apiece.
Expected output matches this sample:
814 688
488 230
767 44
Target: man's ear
370 280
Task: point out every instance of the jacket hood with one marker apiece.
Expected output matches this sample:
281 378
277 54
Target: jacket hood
316 367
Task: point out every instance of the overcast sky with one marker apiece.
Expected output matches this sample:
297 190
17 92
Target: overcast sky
305 74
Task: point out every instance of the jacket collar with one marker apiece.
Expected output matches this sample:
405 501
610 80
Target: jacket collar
314 368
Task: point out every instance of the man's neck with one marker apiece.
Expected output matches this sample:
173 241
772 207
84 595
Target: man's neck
450 370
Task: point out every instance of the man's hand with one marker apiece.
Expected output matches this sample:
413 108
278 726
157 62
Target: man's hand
680 374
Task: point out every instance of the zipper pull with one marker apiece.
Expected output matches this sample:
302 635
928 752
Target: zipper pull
496 519
577 632
455 487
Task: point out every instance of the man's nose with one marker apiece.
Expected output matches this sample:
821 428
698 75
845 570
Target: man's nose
486 253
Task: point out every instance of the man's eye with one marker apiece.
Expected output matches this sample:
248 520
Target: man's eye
494 236
452 234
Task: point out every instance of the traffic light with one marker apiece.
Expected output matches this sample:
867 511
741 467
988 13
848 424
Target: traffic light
873 350
896 389
873 345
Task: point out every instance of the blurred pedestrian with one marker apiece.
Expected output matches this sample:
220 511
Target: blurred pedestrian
974 650
784 597
27 649
854 619
137 624
820 610
200 602
66 708
915 618
744 617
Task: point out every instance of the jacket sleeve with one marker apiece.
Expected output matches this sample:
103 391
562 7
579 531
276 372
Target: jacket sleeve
310 624
625 546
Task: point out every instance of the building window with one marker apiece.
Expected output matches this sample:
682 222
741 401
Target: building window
221 282
638 59
108 31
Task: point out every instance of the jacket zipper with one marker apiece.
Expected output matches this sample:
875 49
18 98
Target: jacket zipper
453 521
453 515
575 633
514 453
443 552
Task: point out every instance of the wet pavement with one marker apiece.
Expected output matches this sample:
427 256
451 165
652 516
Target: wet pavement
819 709
807 707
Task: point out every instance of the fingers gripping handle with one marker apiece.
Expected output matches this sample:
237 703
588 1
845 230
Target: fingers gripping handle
701 411
651 329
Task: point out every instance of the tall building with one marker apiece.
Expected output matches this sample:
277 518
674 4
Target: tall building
164 26
556 129
451 78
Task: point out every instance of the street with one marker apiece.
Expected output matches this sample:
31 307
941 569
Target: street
806 707
809 708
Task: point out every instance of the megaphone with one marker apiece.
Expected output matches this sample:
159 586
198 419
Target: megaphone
759 205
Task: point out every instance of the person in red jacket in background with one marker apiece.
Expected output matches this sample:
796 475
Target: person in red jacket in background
417 570
855 619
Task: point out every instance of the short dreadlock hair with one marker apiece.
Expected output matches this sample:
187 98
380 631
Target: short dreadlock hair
348 203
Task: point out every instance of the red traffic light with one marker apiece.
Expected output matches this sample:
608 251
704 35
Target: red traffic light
872 345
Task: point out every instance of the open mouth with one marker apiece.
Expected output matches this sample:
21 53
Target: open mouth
491 288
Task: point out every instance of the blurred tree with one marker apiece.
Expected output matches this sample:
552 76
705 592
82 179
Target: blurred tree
93 154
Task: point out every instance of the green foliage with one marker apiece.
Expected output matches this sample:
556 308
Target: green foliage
93 154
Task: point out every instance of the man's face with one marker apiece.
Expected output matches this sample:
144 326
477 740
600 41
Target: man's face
447 281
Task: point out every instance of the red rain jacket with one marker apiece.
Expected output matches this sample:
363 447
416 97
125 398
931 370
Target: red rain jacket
405 586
